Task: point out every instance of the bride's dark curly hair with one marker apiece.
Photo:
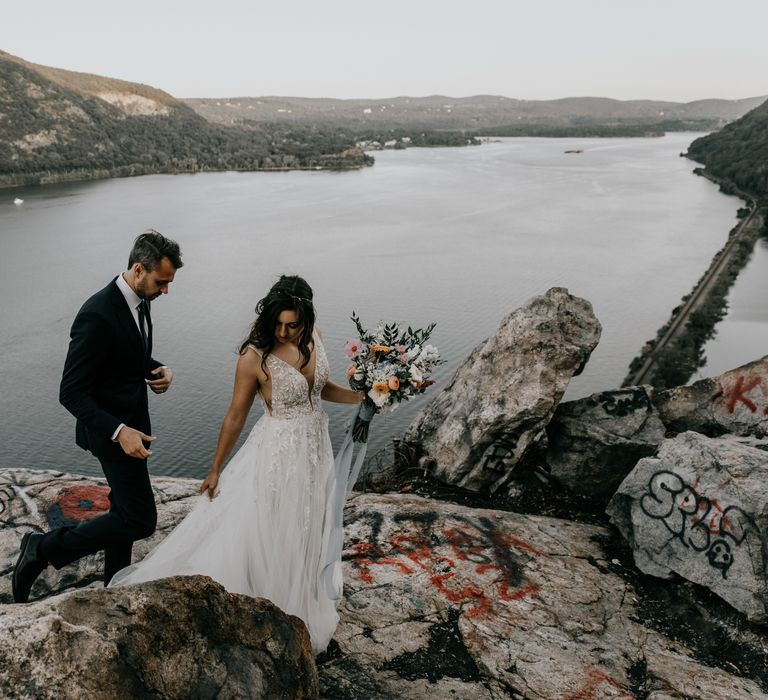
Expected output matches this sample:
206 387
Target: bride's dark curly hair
289 293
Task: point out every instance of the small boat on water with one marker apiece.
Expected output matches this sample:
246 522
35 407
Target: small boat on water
18 201
575 150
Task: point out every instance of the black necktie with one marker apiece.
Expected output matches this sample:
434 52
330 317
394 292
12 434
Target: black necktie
142 321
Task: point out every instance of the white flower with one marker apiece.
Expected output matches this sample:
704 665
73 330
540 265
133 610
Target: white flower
429 354
414 351
415 374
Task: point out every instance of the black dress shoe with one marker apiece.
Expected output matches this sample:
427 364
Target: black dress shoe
28 567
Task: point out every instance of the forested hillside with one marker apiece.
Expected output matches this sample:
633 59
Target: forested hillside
738 153
57 124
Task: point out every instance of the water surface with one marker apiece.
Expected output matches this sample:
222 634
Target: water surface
458 236
742 336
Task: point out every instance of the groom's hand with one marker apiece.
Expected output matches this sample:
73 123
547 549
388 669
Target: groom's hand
163 382
132 442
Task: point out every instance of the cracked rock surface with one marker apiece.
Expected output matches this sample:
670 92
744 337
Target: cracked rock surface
501 398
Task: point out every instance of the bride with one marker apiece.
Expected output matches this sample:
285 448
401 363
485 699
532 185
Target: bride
265 528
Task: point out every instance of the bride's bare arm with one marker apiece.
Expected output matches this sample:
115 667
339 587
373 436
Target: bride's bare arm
247 377
337 394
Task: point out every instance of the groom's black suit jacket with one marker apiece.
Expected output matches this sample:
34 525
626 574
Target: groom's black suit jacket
103 380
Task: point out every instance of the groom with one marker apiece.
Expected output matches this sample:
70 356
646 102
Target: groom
106 374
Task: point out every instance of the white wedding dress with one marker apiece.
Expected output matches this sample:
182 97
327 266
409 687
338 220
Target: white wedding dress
267 533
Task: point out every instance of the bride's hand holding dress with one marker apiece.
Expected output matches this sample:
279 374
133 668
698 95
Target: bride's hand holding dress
249 375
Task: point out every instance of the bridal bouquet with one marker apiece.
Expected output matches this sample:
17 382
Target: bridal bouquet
390 366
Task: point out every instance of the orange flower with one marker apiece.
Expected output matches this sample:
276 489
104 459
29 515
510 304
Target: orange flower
394 383
352 369
379 393
379 348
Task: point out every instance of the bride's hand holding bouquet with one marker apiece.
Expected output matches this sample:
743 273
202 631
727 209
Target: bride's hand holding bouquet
389 366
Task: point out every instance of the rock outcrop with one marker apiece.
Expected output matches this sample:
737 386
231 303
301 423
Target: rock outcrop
593 443
440 600
182 637
502 397
700 509
447 601
42 500
736 402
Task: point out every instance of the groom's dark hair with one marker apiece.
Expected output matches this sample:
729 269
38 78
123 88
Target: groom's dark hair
151 247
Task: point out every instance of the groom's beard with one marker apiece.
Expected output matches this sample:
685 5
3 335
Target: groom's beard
141 292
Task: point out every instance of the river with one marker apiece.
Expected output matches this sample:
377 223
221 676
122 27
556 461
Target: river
460 236
742 336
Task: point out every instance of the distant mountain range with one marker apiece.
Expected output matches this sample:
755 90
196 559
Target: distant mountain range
483 114
61 125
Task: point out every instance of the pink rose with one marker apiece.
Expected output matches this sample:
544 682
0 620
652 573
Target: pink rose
353 348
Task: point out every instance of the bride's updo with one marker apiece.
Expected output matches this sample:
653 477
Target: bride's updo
289 293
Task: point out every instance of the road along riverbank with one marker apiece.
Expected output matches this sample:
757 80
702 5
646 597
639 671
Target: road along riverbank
671 358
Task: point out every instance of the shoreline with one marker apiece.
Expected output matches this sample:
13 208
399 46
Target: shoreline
674 355
10 182
335 162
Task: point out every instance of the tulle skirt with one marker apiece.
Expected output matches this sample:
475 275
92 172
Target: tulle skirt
267 533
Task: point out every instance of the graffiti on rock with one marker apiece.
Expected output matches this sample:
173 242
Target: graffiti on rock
77 503
621 403
17 506
697 521
747 391
464 545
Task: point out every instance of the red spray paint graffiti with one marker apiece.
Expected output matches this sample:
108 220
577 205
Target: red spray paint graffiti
78 503
738 393
477 543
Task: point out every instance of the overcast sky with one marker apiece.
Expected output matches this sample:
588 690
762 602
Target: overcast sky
677 50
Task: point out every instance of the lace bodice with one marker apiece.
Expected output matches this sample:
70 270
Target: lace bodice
290 388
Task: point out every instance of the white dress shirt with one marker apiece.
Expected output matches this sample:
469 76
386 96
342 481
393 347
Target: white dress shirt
133 300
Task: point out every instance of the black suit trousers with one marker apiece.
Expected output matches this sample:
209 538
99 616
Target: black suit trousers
132 516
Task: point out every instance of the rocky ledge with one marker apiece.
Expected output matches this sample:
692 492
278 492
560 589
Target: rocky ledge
440 600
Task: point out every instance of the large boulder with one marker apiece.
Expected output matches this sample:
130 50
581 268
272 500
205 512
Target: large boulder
700 509
736 402
442 601
504 394
183 637
593 443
